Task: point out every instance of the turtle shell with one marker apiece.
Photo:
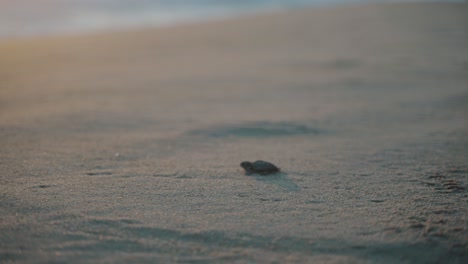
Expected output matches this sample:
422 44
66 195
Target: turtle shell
261 167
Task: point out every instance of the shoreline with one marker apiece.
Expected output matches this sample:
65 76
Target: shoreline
75 18
148 27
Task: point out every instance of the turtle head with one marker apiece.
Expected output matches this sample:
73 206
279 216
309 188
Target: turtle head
247 166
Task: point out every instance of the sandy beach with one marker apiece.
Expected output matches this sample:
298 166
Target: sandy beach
124 147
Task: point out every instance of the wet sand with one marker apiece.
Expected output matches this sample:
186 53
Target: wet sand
125 147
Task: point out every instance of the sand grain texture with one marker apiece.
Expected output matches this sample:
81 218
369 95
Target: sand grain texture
125 147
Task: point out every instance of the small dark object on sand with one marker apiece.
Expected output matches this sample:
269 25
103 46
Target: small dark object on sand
259 167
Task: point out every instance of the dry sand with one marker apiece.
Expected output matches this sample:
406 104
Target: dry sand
125 147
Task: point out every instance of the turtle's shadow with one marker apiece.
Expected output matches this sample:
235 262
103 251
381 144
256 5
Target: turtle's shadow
279 179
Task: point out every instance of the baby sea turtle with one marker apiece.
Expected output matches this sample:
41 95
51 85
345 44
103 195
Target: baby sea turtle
259 167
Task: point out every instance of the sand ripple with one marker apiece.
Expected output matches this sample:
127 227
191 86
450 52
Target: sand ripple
258 129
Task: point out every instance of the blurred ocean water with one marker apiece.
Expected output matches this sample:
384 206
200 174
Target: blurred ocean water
38 17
